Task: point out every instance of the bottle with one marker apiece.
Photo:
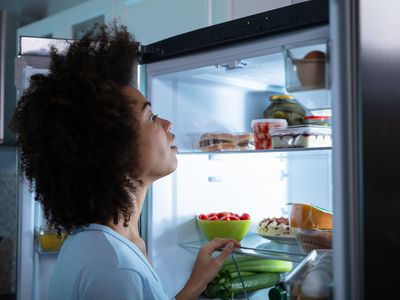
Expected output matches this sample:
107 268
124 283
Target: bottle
278 292
286 107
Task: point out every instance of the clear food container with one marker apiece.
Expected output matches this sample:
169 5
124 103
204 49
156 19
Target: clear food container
312 279
224 141
261 129
306 136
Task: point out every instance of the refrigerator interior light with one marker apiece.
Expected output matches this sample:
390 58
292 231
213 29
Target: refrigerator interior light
248 84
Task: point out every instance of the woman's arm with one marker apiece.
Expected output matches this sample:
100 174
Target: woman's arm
206 267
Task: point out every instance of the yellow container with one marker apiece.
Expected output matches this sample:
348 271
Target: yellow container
49 239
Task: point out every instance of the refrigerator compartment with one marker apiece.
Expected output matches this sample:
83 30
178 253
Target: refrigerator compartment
48 240
307 136
306 67
312 279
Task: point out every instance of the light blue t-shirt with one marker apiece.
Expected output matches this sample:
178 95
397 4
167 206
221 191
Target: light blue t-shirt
98 263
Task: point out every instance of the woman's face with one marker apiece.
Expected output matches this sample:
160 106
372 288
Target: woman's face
157 155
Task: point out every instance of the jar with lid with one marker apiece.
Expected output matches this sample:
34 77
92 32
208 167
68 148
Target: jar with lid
286 107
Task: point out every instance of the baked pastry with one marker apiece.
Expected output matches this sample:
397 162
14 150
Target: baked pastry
217 142
275 227
245 141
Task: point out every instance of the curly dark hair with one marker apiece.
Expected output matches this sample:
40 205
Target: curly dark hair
77 133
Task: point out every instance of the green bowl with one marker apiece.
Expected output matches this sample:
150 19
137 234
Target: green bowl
235 229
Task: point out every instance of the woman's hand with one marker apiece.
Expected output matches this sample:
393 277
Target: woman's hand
206 267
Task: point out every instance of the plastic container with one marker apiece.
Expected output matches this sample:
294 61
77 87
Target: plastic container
286 107
317 120
312 279
224 229
312 226
312 239
311 72
306 136
261 129
306 69
224 141
307 216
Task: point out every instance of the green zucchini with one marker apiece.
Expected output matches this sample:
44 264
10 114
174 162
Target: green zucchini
251 283
243 274
255 282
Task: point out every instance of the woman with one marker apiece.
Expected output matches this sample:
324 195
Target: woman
90 146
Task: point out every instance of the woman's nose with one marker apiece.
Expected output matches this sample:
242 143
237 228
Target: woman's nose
167 125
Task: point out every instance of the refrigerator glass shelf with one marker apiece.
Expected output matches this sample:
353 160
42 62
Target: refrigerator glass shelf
254 245
257 151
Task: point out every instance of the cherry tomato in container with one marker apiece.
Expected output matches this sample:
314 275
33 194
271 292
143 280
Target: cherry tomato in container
203 217
245 216
213 218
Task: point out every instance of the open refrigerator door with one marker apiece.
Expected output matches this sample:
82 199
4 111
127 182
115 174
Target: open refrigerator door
37 245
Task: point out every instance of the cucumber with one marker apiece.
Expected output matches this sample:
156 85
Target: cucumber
252 283
243 274
255 282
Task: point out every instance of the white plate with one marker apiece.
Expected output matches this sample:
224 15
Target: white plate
279 239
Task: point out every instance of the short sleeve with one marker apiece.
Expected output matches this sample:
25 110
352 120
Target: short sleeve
122 284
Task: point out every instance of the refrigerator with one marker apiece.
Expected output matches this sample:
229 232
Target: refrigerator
219 79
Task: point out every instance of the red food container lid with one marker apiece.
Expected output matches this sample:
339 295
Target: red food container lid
317 117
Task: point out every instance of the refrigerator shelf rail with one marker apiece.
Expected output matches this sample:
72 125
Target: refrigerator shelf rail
253 245
256 151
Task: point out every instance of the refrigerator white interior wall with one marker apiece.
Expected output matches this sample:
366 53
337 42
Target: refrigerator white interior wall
208 183
198 106
310 178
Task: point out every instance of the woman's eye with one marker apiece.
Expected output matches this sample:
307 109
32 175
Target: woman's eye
153 117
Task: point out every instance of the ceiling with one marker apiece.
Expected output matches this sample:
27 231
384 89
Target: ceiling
32 10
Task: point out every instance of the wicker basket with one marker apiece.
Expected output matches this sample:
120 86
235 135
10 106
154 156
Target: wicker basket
314 239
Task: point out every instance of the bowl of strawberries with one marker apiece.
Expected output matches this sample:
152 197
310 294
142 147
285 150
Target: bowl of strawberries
224 225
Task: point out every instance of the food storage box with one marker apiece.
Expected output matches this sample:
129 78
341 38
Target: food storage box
261 130
306 136
312 279
224 141
306 67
